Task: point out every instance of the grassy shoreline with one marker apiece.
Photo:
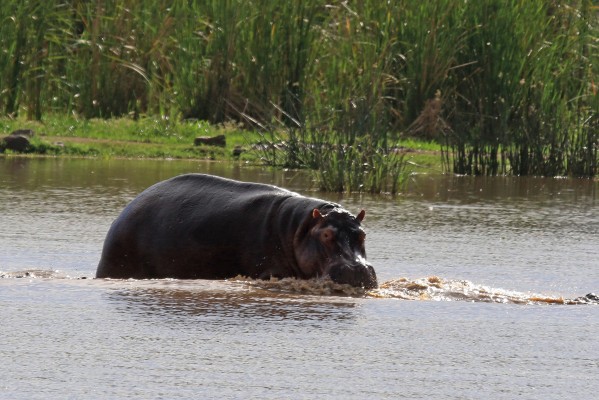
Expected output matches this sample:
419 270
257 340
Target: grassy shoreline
156 138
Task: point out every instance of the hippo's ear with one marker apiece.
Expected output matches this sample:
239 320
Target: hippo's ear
309 222
360 216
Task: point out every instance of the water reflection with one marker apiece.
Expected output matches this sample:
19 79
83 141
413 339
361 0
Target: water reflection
115 175
473 189
225 303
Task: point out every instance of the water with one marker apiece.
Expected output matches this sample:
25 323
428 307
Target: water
453 240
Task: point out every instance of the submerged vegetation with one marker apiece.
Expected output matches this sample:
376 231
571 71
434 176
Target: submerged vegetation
504 86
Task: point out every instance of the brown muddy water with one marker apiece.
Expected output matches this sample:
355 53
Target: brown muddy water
469 271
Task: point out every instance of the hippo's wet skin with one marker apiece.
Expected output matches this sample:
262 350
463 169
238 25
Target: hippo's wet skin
204 227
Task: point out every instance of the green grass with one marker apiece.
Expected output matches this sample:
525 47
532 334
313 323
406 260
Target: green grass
156 138
123 137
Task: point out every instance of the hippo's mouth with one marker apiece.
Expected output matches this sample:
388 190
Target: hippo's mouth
358 275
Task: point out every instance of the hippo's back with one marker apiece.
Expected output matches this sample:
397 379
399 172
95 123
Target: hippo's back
197 226
208 188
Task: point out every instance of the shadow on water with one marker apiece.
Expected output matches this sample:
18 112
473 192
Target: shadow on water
312 299
224 301
210 300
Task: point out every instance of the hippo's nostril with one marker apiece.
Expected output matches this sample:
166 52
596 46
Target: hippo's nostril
372 280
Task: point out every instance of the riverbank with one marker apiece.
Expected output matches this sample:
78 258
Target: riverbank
160 138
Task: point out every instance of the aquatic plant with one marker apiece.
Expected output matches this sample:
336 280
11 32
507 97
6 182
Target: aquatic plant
529 104
506 86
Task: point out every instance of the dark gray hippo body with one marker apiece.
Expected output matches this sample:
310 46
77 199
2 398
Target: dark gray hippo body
204 227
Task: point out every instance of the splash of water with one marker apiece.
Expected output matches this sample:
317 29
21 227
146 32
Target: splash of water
34 273
318 287
432 288
438 289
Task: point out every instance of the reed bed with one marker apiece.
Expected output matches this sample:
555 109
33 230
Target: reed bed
507 86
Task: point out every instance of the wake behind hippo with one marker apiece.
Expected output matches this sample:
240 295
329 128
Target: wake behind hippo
199 226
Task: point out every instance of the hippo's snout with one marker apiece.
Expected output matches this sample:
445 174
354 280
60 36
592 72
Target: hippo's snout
357 275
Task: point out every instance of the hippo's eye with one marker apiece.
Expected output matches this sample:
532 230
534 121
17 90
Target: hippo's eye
327 235
361 237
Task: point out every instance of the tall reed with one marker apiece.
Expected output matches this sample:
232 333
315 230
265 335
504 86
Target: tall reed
518 109
508 86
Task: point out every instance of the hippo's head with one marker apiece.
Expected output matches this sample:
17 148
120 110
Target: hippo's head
332 244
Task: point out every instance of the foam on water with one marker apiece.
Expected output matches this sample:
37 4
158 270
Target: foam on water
34 273
438 289
432 288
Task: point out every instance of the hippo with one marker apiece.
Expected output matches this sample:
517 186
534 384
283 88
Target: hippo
198 226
